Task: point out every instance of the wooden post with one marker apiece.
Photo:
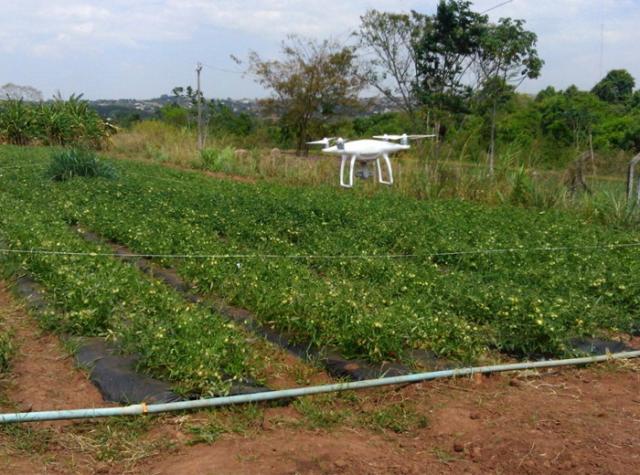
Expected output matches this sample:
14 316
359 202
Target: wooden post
199 99
630 176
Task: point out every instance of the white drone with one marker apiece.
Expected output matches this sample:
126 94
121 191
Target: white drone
365 151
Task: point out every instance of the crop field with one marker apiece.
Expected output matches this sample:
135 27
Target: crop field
377 277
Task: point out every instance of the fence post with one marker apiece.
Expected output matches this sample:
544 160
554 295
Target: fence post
630 176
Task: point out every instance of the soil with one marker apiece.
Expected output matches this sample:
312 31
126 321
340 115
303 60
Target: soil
580 420
575 421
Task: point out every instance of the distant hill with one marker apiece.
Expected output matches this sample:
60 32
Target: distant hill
148 108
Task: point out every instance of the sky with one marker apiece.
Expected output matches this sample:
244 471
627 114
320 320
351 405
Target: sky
144 48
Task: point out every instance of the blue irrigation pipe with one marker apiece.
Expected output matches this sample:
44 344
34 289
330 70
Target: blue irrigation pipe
141 409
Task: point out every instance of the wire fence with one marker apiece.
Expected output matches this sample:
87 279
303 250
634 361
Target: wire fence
197 256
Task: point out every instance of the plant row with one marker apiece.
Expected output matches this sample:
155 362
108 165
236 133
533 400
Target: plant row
525 301
96 295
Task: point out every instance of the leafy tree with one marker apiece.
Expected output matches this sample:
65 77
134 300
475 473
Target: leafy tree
175 115
223 119
445 52
388 51
616 87
506 56
547 92
312 82
569 117
634 101
20 93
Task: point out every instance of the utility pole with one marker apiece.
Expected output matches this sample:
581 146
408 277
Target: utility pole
199 99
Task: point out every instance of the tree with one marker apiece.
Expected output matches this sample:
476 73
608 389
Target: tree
309 85
616 87
634 101
445 52
506 56
20 93
388 41
569 117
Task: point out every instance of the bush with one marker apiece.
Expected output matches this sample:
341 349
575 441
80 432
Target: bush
78 162
218 160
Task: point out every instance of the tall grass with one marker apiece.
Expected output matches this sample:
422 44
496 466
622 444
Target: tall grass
67 164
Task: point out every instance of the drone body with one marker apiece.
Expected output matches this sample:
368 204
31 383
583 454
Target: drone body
365 151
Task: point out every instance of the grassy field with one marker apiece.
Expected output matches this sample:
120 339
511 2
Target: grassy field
369 274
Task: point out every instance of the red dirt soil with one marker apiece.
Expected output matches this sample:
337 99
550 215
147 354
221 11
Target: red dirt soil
574 421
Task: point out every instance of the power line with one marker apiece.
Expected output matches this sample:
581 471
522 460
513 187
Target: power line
321 256
496 7
224 70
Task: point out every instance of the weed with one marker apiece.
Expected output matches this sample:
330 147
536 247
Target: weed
398 418
28 439
321 412
236 420
205 434
218 160
78 162
444 456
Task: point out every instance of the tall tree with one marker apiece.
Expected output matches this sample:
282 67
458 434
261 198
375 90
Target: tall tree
445 52
616 87
506 56
387 43
309 84
20 93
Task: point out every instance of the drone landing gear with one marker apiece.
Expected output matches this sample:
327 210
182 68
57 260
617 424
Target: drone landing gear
348 184
364 173
389 180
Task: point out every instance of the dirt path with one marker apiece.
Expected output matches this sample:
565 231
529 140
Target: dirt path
42 377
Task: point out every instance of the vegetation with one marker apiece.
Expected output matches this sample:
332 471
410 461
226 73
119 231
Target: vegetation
453 71
101 296
311 83
457 306
70 163
6 347
58 122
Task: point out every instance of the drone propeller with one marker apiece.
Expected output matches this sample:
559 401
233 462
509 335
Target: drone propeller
325 141
403 136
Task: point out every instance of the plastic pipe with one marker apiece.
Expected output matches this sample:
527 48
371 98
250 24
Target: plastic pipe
140 409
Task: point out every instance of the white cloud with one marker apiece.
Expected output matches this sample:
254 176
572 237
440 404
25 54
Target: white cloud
569 31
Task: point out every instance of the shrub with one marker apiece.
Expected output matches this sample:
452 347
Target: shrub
78 162
218 160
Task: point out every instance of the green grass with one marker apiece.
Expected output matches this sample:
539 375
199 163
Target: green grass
457 306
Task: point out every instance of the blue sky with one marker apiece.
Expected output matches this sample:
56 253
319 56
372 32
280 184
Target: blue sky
143 48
